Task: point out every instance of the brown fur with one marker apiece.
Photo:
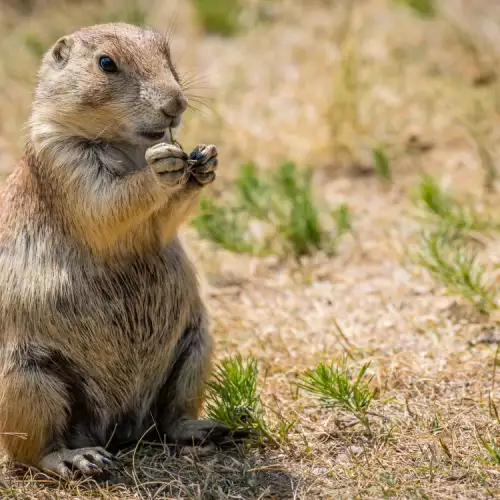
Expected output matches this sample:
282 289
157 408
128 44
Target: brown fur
102 329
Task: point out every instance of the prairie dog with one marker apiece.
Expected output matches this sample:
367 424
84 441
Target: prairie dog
102 329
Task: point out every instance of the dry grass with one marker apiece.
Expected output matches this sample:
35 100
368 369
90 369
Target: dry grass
423 90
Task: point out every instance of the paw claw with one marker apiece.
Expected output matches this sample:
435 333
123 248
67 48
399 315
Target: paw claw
63 471
88 461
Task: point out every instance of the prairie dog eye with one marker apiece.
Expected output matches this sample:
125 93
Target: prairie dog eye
107 64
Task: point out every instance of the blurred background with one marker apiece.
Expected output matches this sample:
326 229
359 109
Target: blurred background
320 82
357 90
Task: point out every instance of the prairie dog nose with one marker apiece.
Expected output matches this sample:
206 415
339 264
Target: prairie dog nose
175 106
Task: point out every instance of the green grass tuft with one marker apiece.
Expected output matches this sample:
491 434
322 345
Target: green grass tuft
343 219
336 388
254 192
224 226
381 165
233 399
424 8
299 217
449 211
435 199
284 201
454 262
492 448
218 16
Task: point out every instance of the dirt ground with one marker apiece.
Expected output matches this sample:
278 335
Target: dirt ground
321 84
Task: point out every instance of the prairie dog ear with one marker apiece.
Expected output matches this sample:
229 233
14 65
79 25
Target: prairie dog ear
61 50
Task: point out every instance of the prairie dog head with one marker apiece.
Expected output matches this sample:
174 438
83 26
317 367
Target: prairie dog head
109 82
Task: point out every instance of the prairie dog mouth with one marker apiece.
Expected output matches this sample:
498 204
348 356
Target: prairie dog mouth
152 135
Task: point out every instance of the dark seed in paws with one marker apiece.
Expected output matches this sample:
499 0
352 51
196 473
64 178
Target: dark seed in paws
196 155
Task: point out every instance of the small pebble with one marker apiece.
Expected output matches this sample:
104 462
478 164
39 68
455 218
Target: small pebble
355 450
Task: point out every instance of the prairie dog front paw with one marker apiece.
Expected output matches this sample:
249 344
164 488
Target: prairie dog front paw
170 162
204 162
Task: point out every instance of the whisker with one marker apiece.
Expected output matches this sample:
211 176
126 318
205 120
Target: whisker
194 108
194 74
172 24
201 112
193 78
201 97
201 103
193 82
189 81
198 88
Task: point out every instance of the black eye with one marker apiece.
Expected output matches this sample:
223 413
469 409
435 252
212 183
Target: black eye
107 64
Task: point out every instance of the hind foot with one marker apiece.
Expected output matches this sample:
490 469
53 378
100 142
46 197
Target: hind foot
198 432
88 461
